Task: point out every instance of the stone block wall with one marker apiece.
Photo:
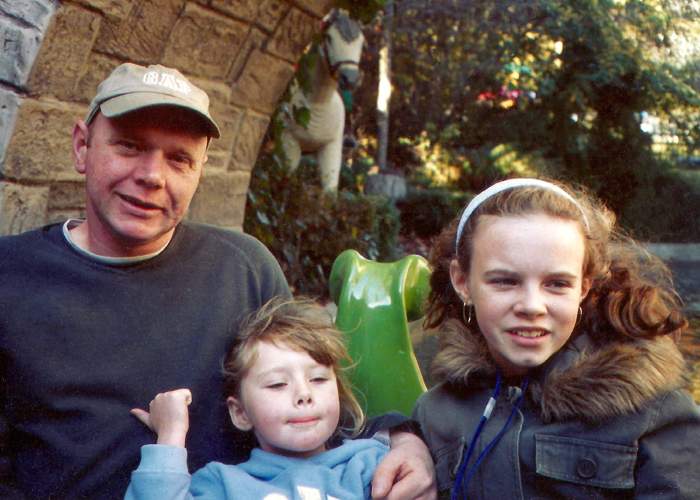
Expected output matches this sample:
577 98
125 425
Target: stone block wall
242 52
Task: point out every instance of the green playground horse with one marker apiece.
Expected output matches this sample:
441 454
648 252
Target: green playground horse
375 303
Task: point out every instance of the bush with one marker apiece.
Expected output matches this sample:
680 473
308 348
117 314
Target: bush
306 229
665 206
424 212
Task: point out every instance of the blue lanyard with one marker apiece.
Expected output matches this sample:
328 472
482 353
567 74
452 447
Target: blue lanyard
488 409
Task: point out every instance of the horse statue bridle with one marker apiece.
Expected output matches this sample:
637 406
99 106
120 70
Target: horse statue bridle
334 67
345 81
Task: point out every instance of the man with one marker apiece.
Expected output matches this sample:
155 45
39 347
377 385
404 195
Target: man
99 315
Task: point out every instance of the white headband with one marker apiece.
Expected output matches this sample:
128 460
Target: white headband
503 186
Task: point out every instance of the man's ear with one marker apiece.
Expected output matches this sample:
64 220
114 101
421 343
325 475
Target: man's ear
239 417
81 138
459 281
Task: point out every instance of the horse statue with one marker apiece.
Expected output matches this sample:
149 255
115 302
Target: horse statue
337 64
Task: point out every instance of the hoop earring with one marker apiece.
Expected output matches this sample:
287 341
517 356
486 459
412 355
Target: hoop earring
467 317
579 316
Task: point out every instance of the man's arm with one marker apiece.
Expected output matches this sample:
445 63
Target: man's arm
390 421
407 471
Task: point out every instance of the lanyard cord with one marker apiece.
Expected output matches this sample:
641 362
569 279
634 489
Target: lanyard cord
472 443
482 421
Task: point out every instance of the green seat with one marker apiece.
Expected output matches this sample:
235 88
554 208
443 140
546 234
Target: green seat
375 303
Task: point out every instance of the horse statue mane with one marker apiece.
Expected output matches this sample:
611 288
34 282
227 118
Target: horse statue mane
348 28
337 64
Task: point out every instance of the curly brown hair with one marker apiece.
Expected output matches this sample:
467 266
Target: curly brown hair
632 292
300 324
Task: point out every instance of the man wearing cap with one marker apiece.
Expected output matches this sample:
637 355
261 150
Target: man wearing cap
98 315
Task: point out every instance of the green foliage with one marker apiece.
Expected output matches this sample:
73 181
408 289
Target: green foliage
297 109
306 229
363 11
424 212
666 206
561 84
353 175
431 160
303 77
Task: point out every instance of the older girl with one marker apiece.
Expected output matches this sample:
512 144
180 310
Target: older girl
560 373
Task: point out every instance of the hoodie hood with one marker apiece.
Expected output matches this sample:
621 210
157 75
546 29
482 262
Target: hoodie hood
583 380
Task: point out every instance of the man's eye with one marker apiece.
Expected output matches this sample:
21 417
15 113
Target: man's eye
128 145
182 161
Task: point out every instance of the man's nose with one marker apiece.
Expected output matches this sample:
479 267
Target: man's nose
151 168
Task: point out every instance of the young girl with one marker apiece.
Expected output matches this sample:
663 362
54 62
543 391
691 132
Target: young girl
560 373
283 382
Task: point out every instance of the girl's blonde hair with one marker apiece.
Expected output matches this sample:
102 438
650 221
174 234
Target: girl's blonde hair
300 324
632 293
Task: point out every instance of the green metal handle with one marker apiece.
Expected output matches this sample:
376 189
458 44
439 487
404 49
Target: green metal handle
375 302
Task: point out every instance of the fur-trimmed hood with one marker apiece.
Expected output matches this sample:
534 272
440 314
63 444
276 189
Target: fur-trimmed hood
583 380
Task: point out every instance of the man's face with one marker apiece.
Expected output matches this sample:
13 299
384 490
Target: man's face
141 173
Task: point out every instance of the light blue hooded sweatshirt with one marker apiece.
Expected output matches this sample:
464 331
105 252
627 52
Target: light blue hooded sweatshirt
343 473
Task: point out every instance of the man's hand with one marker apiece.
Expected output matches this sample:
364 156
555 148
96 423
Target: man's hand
168 416
407 471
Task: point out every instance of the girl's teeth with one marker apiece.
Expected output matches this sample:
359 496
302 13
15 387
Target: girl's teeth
529 334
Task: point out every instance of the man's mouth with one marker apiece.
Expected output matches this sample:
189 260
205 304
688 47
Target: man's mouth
139 203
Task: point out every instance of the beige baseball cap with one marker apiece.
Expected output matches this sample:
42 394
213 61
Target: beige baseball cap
131 86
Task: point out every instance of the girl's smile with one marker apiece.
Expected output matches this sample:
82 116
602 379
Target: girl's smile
526 283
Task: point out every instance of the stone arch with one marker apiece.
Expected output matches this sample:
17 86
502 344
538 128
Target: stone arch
242 52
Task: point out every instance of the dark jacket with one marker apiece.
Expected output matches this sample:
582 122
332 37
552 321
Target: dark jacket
596 421
81 343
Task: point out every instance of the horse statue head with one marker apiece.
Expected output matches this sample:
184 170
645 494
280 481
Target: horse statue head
341 48
336 65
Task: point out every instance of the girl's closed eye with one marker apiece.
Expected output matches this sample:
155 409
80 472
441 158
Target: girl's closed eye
276 385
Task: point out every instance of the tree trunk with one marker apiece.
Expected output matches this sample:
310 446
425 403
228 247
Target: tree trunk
384 90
